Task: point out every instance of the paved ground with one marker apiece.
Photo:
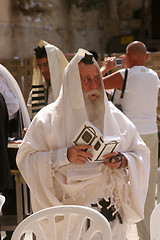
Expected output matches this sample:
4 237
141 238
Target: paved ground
132 229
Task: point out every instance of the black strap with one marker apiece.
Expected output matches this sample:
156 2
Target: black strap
124 82
124 85
46 95
117 158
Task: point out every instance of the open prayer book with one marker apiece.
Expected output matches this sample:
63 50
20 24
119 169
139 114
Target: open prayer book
89 134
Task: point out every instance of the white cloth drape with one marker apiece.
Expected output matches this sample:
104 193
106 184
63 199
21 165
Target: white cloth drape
16 91
53 180
11 101
57 63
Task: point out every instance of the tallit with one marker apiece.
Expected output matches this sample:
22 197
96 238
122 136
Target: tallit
57 63
53 180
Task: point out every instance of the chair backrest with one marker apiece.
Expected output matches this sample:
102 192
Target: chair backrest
2 200
155 223
72 215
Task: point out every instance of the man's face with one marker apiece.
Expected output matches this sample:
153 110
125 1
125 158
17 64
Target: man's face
42 63
90 80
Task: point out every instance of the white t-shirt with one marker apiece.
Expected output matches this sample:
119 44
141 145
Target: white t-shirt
140 99
11 101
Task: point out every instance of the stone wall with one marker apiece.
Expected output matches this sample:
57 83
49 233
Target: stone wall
23 23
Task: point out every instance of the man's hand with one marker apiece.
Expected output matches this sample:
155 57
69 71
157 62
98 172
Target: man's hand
125 61
24 131
78 154
115 160
108 64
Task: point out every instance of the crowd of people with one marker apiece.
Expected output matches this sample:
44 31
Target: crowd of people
63 97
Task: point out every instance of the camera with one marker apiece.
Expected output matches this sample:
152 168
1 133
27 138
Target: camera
118 62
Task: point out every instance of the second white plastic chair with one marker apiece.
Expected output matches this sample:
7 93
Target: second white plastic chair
155 223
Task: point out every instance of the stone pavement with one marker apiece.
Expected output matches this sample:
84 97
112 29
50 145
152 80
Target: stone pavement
132 229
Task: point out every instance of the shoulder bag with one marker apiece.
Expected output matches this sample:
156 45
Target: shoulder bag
119 106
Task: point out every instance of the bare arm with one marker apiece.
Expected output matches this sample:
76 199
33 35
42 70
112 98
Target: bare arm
77 154
108 64
113 80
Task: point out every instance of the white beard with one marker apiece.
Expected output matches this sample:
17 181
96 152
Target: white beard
95 109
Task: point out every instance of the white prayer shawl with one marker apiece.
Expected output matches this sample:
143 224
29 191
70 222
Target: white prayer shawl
57 63
53 180
16 91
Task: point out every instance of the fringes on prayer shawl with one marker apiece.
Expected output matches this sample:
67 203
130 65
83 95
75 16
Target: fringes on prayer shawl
105 207
89 186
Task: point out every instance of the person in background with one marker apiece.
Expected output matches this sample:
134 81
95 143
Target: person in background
6 183
18 119
5 174
139 104
59 172
48 66
16 106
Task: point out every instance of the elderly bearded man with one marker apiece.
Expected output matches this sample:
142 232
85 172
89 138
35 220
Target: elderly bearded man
58 172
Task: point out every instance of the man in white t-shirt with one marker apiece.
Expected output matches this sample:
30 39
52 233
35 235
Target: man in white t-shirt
139 104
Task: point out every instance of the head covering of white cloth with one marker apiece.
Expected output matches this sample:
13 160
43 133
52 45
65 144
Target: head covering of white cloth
52 130
16 91
57 63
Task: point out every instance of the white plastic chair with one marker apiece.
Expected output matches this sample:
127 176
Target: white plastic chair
98 223
155 223
2 200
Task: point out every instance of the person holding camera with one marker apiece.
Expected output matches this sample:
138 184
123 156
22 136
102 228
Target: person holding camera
139 104
59 172
18 118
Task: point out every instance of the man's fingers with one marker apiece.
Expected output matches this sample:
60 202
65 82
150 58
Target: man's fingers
82 151
83 147
85 154
108 155
78 153
113 165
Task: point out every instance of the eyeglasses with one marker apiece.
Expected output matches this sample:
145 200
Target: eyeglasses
45 64
88 80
